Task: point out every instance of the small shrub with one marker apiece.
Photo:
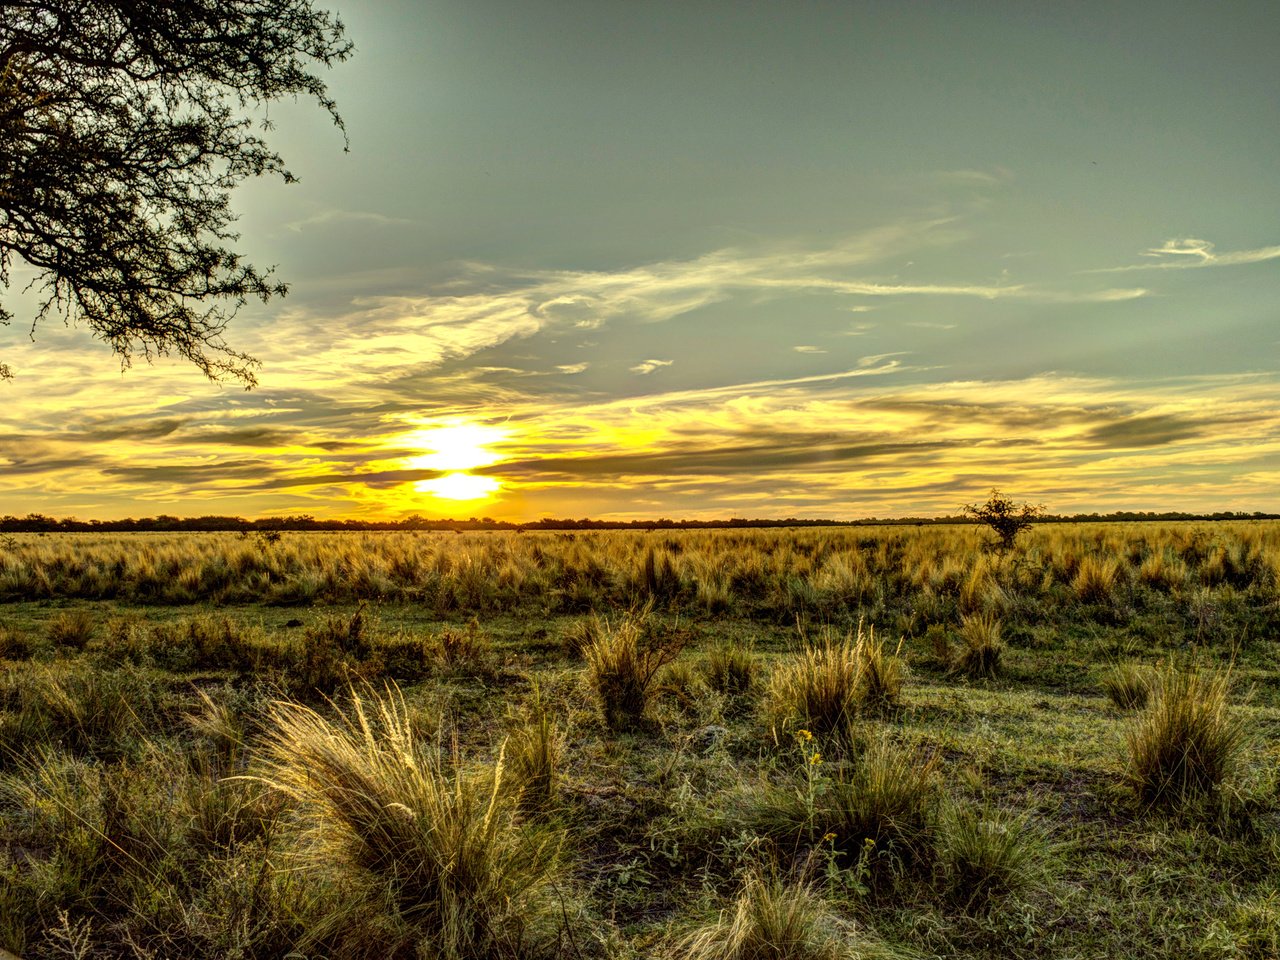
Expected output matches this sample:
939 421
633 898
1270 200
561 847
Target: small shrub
433 852
72 628
1095 579
14 644
987 855
983 646
1129 685
775 921
621 668
1186 743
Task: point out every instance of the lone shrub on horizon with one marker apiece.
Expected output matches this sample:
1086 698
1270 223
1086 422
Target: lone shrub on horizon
1005 518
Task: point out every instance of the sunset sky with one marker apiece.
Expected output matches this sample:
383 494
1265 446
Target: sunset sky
712 259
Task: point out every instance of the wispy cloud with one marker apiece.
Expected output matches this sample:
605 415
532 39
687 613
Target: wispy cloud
1191 253
807 348
337 216
646 367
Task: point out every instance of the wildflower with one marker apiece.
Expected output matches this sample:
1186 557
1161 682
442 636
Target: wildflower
828 837
804 735
816 758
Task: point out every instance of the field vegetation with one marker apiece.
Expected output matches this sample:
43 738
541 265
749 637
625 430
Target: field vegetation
817 743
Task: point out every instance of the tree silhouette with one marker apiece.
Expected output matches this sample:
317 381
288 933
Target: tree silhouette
123 128
1005 517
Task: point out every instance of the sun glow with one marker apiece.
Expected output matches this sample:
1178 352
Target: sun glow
455 447
458 486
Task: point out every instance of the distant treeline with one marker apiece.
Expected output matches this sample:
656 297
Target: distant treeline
38 523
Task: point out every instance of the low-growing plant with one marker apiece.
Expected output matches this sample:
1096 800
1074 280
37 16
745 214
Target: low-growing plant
983 646
1187 742
773 920
468 651
986 855
582 633
1130 685
432 851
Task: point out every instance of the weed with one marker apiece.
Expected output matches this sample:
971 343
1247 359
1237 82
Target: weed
1130 685
621 667
72 628
986 855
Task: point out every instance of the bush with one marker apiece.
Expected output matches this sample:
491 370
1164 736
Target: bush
830 683
434 853
1186 743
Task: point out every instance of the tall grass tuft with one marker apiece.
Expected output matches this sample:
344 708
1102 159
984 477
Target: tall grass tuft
834 681
983 646
987 855
435 853
621 667
1130 685
775 921
731 669
1186 743
885 808
72 628
533 755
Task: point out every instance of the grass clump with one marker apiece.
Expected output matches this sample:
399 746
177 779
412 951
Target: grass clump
772 920
534 754
987 855
883 812
1186 743
731 669
983 646
72 628
621 667
434 857
834 681
1130 685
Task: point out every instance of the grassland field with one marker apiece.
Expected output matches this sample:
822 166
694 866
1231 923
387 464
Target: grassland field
828 742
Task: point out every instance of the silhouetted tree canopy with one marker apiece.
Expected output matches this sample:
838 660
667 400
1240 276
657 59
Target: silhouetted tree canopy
123 128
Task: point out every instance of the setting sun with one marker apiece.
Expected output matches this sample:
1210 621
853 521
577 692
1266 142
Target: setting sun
458 486
455 445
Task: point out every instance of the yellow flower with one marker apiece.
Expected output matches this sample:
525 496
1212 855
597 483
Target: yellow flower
828 837
816 758
804 735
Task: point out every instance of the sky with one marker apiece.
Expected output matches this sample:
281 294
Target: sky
724 259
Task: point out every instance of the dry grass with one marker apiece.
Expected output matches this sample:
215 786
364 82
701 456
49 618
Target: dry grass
983 646
622 665
833 681
434 852
772 920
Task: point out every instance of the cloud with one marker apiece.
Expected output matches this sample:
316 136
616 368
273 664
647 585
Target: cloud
572 368
326 217
646 367
808 348
1193 253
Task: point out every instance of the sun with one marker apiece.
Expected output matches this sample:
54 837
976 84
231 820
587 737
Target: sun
455 447
458 486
